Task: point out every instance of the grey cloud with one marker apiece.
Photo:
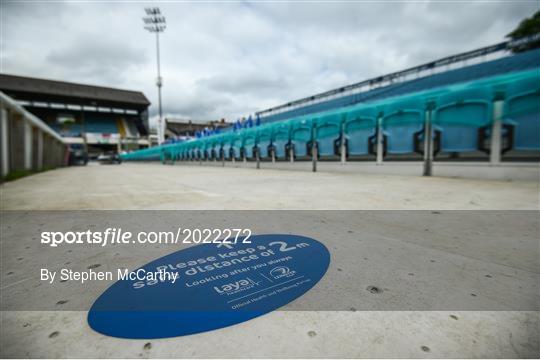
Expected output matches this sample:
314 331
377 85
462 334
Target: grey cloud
243 83
230 59
92 58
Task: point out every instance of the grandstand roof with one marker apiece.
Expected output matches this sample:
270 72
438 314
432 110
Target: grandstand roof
27 88
189 127
524 61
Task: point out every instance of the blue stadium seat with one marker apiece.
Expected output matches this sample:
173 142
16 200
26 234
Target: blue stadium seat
264 140
328 132
522 110
280 139
301 136
459 116
95 124
402 122
70 130
360 128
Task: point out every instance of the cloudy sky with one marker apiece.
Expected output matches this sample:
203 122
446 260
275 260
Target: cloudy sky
229 59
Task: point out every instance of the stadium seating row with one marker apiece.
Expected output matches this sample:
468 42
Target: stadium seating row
461 115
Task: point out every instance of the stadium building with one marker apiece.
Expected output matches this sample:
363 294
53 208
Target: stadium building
186 129
101 118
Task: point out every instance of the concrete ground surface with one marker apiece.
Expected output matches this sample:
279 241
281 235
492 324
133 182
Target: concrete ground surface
156 186
448 257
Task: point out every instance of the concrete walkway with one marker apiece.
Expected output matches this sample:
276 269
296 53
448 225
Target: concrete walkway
449 257
155 186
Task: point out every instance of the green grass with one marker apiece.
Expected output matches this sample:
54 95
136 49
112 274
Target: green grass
17 174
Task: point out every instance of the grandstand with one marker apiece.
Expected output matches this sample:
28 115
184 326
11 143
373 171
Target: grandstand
101 118
486 112
186 129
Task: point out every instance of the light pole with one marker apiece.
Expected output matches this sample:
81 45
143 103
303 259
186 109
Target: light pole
155 23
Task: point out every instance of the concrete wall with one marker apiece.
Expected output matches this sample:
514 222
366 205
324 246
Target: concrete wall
26 142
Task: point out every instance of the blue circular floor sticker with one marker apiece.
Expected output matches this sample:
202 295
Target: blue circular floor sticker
210 286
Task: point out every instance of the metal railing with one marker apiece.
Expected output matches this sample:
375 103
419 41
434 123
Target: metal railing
418 71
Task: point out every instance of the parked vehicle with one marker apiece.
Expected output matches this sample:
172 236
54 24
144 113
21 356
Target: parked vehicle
77 154
109 157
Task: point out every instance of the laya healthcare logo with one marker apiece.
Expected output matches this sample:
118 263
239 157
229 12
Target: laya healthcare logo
236 286
281 272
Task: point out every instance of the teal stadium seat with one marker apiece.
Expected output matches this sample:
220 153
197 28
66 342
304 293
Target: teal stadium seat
196 150
175 152
237 144
226 145
192 150
213 148
402 123
217 146
328 132
360 129
205 144
522 110
264 140
249 139
184 151
460 115
301 136
166 152
280 139
178 151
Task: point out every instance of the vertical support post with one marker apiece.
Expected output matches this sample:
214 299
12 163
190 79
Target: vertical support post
343 149
257 157
380 139
4 143
314 149
496 133
39 149
27 144
273 155
159 82
428 142
291 152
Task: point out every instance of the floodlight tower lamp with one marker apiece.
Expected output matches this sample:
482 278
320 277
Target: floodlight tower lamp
155 23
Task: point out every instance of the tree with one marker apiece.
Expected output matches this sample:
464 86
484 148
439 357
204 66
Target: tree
527 27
